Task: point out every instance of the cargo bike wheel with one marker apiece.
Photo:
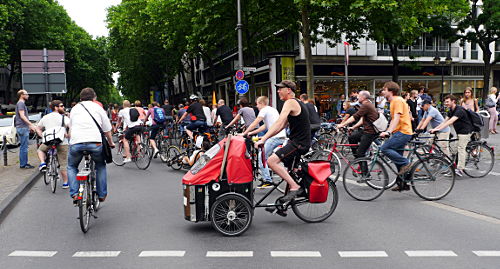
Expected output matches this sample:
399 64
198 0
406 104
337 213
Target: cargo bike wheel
231 214
317 212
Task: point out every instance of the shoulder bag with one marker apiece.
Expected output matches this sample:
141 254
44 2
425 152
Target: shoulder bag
106 149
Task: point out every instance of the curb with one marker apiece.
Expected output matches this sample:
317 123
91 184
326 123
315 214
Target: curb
8 204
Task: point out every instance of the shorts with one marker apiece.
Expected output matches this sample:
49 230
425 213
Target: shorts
197 125
62 154
291 150
154 130
130 132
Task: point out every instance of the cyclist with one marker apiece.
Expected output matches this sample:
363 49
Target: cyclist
434 117
55 123
140 109
224 112
245 112
197 110
85 136
269 115
159 118
400 127
130 127
462 124
186 121
314 118
294 113
365 116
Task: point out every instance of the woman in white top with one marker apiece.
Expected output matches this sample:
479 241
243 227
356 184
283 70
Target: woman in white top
493 110
207 112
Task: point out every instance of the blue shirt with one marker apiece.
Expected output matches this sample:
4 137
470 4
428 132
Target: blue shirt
437 118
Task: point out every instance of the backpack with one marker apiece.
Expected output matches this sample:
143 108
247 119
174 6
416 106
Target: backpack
159 116
134 114
476 120
381 123
489 103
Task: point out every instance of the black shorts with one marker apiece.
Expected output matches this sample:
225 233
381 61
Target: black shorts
130 132
154 130
290 151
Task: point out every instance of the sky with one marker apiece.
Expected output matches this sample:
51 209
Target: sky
89 14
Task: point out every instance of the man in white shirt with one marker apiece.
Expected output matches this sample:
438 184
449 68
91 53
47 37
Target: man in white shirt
85 136
52 124
129 127
269 115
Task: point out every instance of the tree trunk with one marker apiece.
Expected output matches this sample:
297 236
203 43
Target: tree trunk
306 39
487 70
395 62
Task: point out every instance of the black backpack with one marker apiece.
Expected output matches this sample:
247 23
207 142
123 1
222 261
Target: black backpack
134 114
476 120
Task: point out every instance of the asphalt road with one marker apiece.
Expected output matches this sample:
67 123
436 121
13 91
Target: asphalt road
143 216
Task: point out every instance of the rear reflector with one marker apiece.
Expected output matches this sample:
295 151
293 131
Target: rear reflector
81 178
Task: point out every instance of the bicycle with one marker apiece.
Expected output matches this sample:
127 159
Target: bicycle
51 173
431 177
87 198
141 155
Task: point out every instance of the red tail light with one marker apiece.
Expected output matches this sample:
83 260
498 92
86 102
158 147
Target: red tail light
165 136
81 178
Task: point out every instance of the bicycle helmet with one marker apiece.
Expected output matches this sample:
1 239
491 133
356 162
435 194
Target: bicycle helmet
193 97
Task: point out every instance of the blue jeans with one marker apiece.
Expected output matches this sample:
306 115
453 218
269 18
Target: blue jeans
394 148
269 146
75 156
24 135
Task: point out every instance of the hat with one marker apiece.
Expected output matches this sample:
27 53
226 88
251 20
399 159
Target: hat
193 97
287 84
425 102
181 106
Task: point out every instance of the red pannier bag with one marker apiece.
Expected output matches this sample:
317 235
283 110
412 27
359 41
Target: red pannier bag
318 190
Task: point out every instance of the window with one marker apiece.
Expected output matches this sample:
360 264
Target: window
497 46
417 44
442 44
429 43
473 53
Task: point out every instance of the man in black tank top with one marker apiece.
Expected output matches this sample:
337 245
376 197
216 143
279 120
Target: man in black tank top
294 113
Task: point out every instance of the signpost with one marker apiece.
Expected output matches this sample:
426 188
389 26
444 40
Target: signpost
240 75
249 69
242 87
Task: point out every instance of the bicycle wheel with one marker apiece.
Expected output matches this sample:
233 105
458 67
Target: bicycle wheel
163 148
317 212
231 214
46 178
480 160
84 208
53 173
143 157
365 186
325 141
174 157
117 154
432 178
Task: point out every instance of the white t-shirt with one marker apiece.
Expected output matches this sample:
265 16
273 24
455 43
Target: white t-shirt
53 121
82 128
270 116
208 115
125 115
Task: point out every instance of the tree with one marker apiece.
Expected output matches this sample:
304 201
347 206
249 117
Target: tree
482 27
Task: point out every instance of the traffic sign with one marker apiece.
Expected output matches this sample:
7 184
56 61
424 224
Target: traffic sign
249 69
35 83
240 74
242 87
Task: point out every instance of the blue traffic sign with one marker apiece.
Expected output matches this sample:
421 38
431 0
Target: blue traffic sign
242 87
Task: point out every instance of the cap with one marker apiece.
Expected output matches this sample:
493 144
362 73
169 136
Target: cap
425 102
193 97
287 84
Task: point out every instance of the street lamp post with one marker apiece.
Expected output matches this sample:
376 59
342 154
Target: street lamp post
447 62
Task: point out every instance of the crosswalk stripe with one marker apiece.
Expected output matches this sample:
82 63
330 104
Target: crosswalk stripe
96 254
362 254
430 253
487 253
23 253
163 253
221 254
296 254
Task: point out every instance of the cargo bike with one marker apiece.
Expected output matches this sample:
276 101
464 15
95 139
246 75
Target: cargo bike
219 188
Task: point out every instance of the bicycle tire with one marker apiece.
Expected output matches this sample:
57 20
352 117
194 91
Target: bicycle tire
325 141
144 155
174 153
53 173
117 153
163 147
231 214
364 188
301 206
439 169
84 208
95 198
46 178
475 165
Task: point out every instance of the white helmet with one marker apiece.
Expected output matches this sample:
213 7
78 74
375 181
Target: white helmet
193 97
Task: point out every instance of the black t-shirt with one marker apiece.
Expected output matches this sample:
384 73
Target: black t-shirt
313 115
413 107
225 114
197 110
463 125
168 109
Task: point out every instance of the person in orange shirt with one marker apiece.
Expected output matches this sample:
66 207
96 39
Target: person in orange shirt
400 128
140 109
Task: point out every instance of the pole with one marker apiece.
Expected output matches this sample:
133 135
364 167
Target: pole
46 75
239 27
4 149
346 63
442 83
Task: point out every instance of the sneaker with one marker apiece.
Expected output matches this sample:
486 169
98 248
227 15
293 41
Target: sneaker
265 185
65 185
42 167
459 172
102 199
127 160
28 166
403 170
155 153
291 195
273 210
75 200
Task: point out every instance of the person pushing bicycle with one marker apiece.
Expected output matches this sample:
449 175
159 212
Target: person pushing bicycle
294 113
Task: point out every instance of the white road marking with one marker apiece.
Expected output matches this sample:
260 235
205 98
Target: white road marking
23 253
487 253
296 254
362 254
494 173
163 253
463 212
430 253
221 254
96 254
